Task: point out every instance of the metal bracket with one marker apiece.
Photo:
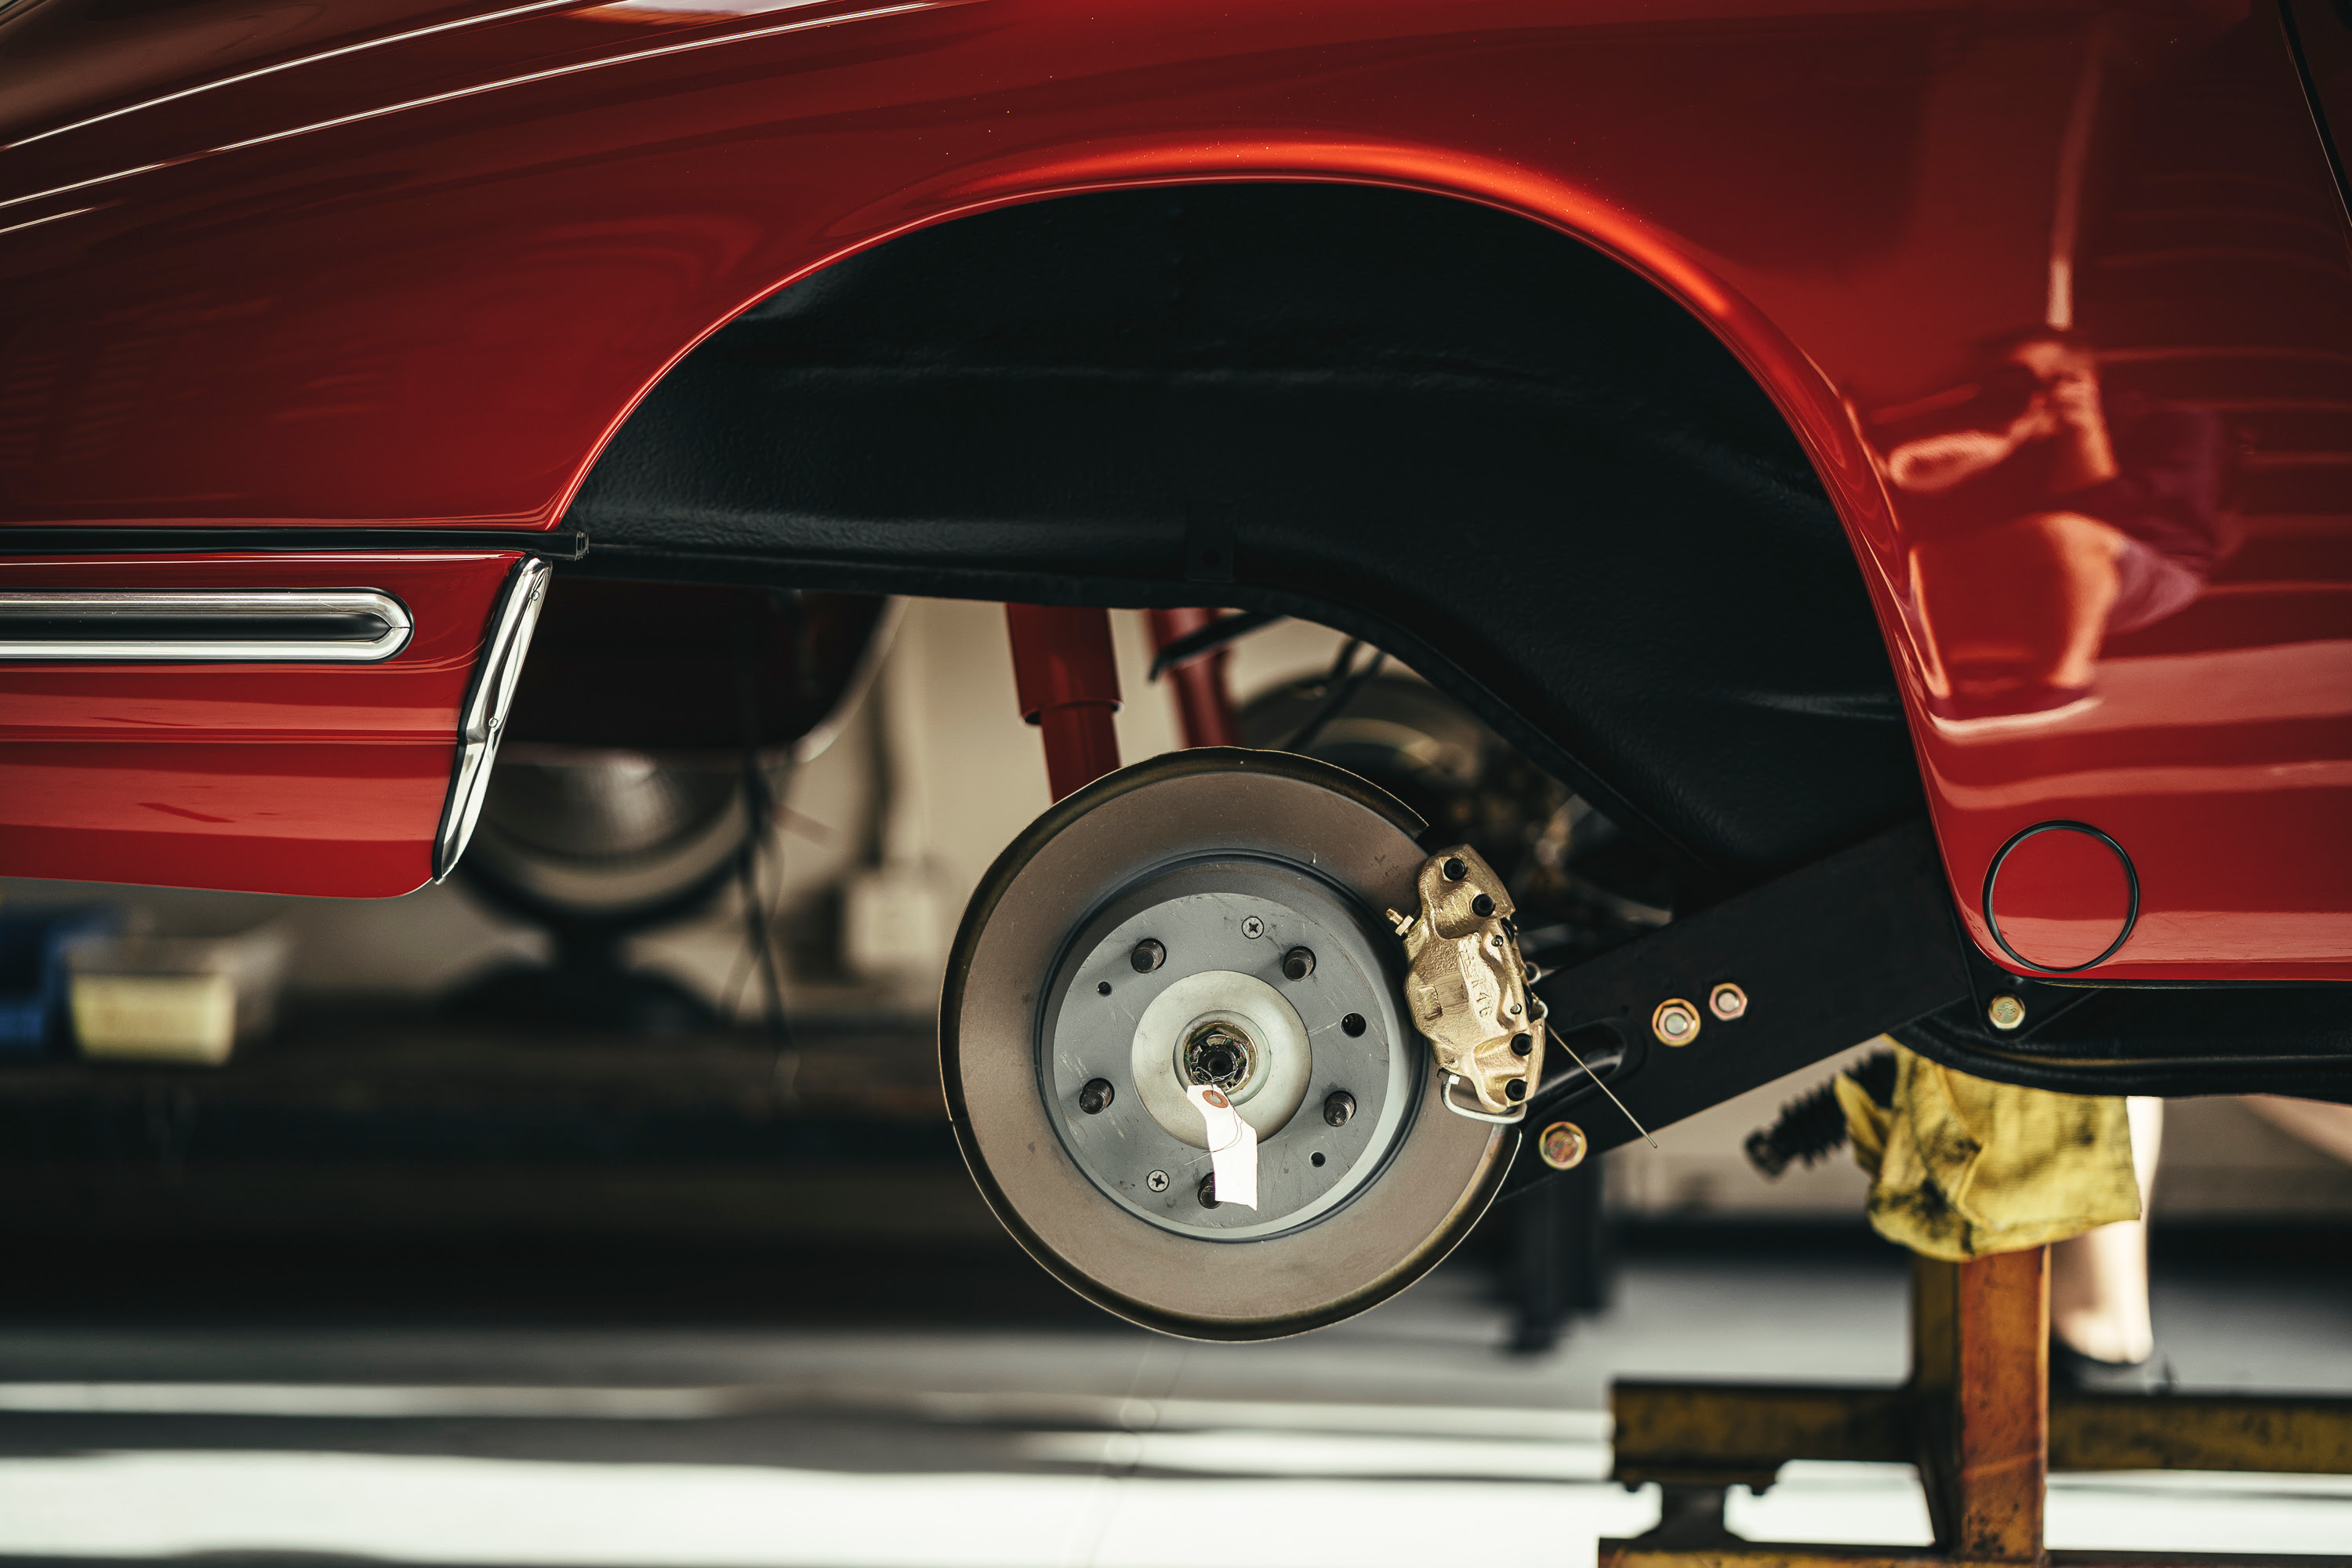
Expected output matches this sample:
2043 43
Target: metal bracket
1755 987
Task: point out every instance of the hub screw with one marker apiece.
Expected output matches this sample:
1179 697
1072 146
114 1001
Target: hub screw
2005 1012
1338 1107
1728 1002
1298 963
1562 1145
1253 928
1157 1181
1147 956
1209 1191
1096 1098
1522 1045
1675 1023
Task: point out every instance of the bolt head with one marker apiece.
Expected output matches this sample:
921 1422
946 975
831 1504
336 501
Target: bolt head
1096 1098
1454 869
1338 1107
1562 1145
1675 1023
1253 928
1514 1090
1157 1181
1728 1002
1482 906
1522 1043
2005 1012
1147 956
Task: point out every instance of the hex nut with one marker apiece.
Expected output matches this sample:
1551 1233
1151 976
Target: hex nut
1675 1023
1147 956
1338 1107
1562 1145
1298 963
1728 1002
2005 1012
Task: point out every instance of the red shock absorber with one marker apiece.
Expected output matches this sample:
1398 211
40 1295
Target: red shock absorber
1068 681
1203 704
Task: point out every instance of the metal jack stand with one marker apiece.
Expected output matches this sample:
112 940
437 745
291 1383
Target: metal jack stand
1977 1418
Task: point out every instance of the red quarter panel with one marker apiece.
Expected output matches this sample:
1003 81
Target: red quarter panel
270 778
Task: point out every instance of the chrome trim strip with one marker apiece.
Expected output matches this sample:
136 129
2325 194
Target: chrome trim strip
483 718
204 626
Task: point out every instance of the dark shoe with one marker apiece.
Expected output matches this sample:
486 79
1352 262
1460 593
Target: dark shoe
2074 1372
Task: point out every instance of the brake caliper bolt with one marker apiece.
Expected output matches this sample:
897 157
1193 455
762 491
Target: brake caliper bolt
1522 1045
1482 906
1338 1107
1157 1181
2005 1012
1455 871
1675 1023
1147 956
1515 1089
1096 1098
1562 1145
1253 928
1298 963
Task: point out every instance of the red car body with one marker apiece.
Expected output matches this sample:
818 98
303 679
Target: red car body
407 266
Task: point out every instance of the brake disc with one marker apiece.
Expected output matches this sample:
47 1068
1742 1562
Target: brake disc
1211 917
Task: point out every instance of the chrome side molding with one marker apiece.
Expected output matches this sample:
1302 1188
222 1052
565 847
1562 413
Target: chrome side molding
137 626
483 718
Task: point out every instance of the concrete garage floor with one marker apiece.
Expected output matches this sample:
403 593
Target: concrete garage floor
945 1409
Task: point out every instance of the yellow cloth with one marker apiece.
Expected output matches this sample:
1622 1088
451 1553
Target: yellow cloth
1961 1167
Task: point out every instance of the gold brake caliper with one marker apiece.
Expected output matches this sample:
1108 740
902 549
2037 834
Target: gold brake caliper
1467 988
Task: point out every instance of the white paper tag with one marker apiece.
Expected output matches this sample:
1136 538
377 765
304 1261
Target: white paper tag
1233 1146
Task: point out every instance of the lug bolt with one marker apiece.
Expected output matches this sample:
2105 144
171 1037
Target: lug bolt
1562 1145
1338 1107
1728 1002
1147 956
2005 1012
1522 1045
1157 1181
1454 869
1253 928
1516 1089
1096 1098
1298 963
1209 1191
1675 1023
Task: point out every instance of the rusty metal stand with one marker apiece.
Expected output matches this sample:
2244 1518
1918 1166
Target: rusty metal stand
1977 1418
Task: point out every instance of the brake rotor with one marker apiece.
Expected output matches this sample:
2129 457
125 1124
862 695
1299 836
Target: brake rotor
1211 917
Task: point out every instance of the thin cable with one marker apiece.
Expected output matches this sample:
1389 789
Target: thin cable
1605 1089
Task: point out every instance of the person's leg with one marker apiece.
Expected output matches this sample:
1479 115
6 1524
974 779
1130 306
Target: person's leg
2083 551
2098 1281
2031 593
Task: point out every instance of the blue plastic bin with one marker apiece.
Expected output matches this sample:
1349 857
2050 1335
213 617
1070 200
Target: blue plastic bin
33 973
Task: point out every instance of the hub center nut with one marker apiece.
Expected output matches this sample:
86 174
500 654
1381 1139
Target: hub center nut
1219 1054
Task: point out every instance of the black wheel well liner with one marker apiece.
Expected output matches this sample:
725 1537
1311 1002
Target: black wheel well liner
1465 437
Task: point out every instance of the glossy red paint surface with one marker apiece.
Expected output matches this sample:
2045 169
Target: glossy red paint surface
421 281
279 778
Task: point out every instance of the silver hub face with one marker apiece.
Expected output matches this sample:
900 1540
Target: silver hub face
1222 1009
